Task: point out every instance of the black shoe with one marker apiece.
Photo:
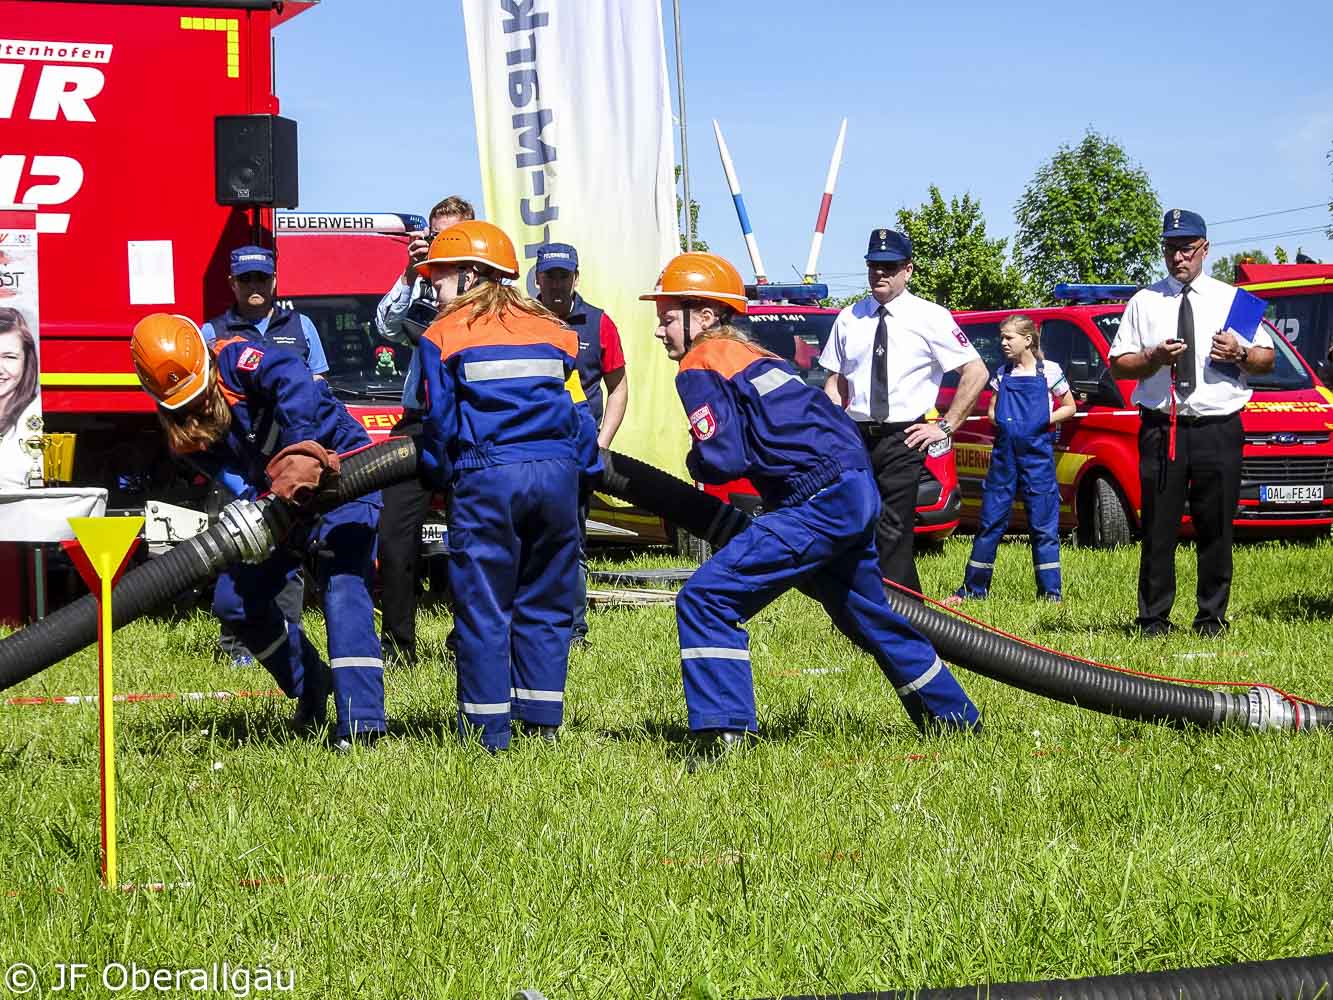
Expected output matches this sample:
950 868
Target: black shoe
398 657
580 642
1210 629
312 707
365 738
1156 630
548 733
711 745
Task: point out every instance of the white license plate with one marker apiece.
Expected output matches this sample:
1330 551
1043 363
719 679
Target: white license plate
1291 494
433 533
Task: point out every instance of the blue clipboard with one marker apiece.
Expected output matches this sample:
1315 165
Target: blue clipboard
1247 312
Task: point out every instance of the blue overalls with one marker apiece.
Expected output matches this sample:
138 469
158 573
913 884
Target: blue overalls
751 415
275 402
507 426
1022 457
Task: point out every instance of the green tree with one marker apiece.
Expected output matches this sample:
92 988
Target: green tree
1088 215
953 263
699 244
1280 254
1224 268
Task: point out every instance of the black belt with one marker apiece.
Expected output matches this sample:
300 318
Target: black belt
878 429
1156 418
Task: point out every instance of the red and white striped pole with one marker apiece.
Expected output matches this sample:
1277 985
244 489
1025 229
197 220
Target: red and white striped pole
824 203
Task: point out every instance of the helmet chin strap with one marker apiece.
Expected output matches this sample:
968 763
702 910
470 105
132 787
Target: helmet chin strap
685 325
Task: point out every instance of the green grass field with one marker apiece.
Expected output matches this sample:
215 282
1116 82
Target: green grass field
841 853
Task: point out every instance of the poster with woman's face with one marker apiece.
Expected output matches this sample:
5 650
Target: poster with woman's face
20 391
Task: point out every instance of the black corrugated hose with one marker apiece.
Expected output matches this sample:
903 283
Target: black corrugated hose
1281 979
191 563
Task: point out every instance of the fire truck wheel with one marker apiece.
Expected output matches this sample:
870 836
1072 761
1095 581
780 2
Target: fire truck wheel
1104 520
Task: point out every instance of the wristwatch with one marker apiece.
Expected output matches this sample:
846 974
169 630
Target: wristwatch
945 426
1244 354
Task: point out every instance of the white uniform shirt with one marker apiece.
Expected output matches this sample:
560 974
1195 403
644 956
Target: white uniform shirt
1152 316
1056 383
924 344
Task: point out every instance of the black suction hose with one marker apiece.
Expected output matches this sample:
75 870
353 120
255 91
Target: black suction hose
1042 672
194 561
1280 979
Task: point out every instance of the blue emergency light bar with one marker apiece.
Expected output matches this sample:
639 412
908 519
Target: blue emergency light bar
801 294
1088 294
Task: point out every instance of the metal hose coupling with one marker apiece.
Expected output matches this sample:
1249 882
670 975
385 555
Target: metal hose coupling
248 529
1269 710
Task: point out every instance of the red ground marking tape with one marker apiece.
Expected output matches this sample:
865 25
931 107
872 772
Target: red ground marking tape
91 699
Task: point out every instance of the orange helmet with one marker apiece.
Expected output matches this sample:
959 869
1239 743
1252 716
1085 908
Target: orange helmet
472 242
172 359
701 276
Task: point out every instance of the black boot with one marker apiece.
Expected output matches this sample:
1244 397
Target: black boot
711 745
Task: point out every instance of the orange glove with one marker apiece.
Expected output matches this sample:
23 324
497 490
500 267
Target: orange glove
299 470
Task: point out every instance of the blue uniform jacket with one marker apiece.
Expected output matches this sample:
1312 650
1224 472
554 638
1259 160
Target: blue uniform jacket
499 390
752 416
274 402
283 328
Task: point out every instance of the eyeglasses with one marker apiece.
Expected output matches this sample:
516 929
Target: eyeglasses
889 267
253 278
1186 250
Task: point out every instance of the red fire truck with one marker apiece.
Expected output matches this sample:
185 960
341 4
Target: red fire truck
1300 305
109 115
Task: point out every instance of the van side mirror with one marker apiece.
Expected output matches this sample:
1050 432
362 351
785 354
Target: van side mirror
1101 391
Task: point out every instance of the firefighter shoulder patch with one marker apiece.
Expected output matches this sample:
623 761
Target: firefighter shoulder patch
249 359
703 425
961 337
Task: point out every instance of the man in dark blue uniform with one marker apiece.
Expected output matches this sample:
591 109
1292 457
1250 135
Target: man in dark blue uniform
601 359
256 317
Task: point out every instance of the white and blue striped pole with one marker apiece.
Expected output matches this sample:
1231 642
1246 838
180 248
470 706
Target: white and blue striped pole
760 275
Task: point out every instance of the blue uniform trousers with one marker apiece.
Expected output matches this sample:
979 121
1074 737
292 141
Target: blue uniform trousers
1021 458
245 597
513 568
825 545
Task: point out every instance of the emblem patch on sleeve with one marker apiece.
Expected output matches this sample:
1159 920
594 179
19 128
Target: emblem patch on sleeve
249 359
703 425
961 337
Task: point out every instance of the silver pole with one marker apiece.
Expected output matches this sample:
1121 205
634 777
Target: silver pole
684 141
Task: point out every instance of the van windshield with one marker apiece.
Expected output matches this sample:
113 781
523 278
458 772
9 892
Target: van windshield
1288 373
797 337
362 365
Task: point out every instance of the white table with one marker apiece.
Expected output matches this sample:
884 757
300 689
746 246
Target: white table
30 518
43 515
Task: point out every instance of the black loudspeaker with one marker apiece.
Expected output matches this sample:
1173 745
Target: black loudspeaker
254 160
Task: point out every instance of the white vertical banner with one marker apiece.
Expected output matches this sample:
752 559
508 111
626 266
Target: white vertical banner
20 390
575 137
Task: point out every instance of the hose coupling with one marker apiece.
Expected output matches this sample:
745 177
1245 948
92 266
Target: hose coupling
249 531
1269 710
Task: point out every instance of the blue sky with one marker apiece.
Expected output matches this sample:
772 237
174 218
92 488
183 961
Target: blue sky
1227 105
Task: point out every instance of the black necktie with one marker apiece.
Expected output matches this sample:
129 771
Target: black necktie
879 369
1185 332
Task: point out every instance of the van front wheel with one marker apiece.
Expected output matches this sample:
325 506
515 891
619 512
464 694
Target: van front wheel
1103 517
